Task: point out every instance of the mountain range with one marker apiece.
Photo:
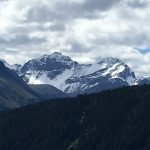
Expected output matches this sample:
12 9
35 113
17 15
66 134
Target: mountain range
71 77
57 76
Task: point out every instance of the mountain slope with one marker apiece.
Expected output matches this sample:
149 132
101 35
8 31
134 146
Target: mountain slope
71 77
14 92
47 91
112 120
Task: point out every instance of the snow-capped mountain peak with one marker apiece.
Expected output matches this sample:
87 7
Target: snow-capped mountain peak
55 61
116 68
57 56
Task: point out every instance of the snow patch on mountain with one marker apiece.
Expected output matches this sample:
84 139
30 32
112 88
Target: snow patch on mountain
57 82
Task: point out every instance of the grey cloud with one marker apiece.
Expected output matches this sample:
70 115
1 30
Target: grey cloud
92 5
58 26
2 40
129 38
38 14
11 51
24 39
44 14
21 39
28 28
86 9
78 47
4 1
67 11
138 3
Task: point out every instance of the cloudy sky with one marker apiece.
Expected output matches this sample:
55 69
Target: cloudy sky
82 29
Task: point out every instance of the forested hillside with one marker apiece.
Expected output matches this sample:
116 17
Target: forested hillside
112 120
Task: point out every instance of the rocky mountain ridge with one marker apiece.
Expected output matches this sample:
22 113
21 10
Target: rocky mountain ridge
71 77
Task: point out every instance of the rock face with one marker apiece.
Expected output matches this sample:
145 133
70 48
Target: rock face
74 78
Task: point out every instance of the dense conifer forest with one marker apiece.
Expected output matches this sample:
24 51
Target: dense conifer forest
111 120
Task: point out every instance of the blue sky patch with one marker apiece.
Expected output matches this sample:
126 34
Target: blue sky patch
143 50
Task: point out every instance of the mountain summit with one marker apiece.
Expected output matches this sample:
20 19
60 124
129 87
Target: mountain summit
55 61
